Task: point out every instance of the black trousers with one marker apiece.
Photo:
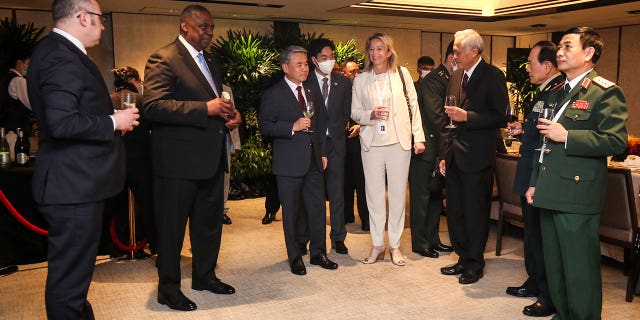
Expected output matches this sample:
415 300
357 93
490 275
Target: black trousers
334 179
468 209
272 201
200 201
354 180
533 254
303 202
74 235
425 206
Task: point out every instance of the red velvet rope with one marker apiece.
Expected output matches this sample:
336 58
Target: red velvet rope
19 217
119 244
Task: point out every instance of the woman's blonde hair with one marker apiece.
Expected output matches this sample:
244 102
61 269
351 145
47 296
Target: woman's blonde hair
392 63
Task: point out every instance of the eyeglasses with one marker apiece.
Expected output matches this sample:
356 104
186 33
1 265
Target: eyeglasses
103 19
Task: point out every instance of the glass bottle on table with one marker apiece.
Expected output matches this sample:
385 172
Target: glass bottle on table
22 150
5 156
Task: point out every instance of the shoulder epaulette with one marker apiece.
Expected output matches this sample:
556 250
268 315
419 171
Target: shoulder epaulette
556 87
602 82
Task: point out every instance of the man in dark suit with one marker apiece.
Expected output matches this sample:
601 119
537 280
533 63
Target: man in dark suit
182 99
80 157
569 182
469 156
543 72
426 204
335 92
298 158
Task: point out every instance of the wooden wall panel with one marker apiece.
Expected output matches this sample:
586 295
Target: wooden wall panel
607 65
431 46
629 70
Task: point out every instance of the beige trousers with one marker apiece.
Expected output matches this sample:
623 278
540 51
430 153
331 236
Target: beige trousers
393 162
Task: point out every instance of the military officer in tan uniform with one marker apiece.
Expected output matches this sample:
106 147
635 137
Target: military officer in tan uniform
569 182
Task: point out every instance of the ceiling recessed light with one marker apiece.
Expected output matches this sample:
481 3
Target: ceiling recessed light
538 25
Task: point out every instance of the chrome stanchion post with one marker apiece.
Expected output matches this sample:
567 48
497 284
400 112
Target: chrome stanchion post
131 254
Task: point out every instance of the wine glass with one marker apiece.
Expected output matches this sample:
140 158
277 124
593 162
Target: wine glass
449 102
547 113
512 116
308 113
127 99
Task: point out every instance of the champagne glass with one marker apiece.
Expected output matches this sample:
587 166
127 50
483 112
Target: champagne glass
127 99
308 113
449 102
227 95
512 116
547 113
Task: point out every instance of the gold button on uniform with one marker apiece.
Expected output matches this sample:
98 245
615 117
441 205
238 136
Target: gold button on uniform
543 167
576 178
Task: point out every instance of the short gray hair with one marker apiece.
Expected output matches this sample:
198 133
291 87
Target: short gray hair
63 9
469 39
285 55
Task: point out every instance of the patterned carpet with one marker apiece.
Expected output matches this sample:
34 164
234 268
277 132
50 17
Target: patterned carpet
253 260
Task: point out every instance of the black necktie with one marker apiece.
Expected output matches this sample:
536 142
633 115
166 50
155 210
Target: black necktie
325 90
567 89
303 104
465 80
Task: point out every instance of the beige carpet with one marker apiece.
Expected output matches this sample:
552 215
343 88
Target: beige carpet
253 260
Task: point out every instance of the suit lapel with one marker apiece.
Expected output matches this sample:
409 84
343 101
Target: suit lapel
290 96
191 64
86 61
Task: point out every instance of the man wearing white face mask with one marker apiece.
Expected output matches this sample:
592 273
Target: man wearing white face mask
425 65
336 105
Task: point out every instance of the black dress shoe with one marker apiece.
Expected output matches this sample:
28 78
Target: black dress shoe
226 219
429 253
443 248
339 247
470 277
216 286
365 226
268 218
303 249
297 267
521 291
539 309
452 270
177 301
322 260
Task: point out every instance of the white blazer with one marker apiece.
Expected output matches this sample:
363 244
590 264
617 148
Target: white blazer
362 103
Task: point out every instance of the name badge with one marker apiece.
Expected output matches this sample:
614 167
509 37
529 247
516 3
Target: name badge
382 128
538 107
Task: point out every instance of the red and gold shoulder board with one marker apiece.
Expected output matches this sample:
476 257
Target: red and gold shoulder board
602 82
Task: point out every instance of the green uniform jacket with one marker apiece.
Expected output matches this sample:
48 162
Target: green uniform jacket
573 179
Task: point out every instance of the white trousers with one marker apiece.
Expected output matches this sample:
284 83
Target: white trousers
393 162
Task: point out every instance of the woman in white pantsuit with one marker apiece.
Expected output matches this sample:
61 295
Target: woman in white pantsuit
380 107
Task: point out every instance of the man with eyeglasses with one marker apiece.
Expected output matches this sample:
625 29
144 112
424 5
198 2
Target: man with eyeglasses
80 157
184 101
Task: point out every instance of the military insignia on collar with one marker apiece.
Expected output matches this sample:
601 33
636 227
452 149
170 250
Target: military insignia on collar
585 83
602 82
538 107
580 105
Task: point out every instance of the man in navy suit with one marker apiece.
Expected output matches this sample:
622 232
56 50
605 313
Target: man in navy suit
80 157
470 152
299 158
335 92
183 100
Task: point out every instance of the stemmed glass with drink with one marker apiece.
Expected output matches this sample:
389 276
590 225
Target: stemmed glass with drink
512 116
547 113
308 113
450 102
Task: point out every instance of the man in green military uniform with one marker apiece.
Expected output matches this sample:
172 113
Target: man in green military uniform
426 202
569 181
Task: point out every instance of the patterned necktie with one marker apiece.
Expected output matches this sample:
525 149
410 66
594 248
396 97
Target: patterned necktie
325 90
206 72
303 104
465 80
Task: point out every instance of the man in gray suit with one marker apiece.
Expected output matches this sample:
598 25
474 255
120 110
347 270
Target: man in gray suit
299 158
182 99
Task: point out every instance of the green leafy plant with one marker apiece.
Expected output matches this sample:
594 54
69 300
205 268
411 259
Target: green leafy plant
16 37
348 51
521 91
